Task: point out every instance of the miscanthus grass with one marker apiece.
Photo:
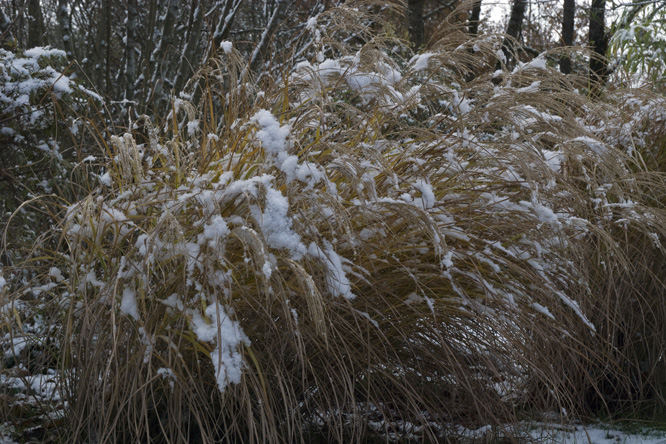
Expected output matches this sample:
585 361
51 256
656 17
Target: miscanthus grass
360 245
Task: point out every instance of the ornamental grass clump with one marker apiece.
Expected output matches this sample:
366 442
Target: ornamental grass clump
356 246
625 258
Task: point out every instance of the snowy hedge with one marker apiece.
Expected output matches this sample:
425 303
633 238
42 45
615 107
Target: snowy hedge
42 111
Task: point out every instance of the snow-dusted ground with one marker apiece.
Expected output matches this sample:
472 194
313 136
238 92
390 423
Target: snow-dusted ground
547 434
550 433
597 434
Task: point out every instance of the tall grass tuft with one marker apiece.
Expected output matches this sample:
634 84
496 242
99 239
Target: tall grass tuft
625 259
358 246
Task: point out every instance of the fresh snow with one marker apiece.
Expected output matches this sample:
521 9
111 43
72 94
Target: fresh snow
39 51
128 303
215 326
337 281
596 434
276 224
420 61
272 135
226 47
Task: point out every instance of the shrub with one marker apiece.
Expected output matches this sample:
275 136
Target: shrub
42 114
363 246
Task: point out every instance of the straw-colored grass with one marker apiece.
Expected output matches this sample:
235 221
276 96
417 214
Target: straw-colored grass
360 246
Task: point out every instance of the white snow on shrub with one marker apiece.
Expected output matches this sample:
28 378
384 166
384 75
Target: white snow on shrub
215 230
276 224
272 135
595 145
226 46
420 61
216 327
336 280
128 303
56 274
427 199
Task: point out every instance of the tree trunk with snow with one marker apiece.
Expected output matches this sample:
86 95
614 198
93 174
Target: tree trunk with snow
36 28
567 33
415 23
259 54
598 40
162 69
147 49
475 16
107 46
513 29
223 27
130 50
64 22
6 37
190 60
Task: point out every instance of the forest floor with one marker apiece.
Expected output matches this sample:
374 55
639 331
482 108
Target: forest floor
606 434
542 433
594 433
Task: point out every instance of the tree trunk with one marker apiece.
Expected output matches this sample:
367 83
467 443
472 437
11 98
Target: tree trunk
516 19
415 22
513 30
260 51
474 18
567 33
226 20
35 24
598 41
19 32
6 37
107 48
64 22
94 29
189 58
130 50
162 69
147 49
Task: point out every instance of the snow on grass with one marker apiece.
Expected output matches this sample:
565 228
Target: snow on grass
128 303
337 281
216 327
475 190
215 231
272 135
420 61
226 46
3 281
39 51
427 199
595 145
274 139
276 224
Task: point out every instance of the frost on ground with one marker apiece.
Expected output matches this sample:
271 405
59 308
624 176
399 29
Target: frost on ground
597 434
553 433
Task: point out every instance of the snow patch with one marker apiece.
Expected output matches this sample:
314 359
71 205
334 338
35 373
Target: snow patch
337 281
420 61
128 304
226 47
215 326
